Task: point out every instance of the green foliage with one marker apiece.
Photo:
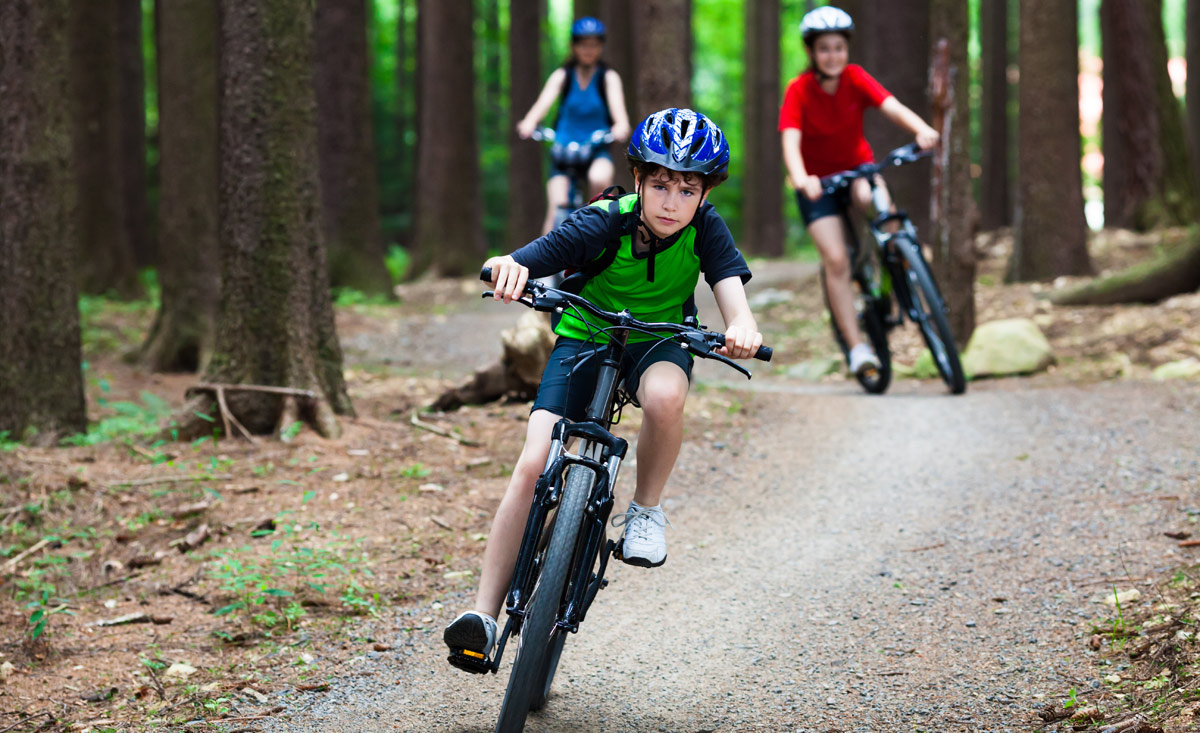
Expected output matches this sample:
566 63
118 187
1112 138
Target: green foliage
129 419
43 606
397 262
416 470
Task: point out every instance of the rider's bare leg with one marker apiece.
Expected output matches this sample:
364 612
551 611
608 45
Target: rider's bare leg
556 195
600 176
829 234
661 392
504 540
860 193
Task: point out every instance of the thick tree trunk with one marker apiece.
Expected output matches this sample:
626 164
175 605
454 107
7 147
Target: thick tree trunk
1051 237
1175 270
345 141
662 36
588 7
41 384
1192 92
183 333
762 210
953 210
994 209
891 41
1158 189
405 100
449 235
275 326
133 132
106 256
524 157
1112 145
618 54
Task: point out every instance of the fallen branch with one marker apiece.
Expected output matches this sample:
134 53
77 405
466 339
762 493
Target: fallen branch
228 417
927 547
212 387
35 716
418 423
11 565
167 480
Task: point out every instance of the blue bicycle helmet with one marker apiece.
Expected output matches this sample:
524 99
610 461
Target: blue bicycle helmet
681 140
587 26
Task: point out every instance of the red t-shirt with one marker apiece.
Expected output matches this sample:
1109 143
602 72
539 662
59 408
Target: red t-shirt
831 125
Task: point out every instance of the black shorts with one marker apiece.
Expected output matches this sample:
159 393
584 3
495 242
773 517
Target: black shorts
557 169
553 395
811 210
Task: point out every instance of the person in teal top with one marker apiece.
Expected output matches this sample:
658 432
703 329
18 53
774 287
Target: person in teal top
668 237
590 98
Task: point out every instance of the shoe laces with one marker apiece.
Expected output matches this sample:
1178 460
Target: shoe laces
638 529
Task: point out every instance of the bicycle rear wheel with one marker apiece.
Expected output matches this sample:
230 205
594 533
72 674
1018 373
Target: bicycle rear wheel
871 324
541 642
927 309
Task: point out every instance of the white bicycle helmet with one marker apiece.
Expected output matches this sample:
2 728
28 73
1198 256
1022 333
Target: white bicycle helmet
826 19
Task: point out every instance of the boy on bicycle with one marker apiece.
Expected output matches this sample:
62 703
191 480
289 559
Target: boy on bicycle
821 122
667 235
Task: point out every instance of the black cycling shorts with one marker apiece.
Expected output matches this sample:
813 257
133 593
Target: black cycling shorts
811 210
561 170
553 395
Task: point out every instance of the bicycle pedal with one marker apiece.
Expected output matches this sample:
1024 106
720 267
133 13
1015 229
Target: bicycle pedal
470 661
616 550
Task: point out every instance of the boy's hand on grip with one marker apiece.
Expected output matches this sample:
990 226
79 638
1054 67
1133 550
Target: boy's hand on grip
740 343
508 278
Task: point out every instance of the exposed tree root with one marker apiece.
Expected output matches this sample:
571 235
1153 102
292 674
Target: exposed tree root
1175 270
256 409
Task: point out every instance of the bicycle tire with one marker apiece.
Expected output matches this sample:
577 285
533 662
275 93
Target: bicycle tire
530 678
870 322
927 309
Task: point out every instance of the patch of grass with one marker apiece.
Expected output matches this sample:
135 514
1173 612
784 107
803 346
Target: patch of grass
416 470
129 419
397 261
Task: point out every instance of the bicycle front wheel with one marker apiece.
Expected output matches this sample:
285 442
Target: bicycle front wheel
927 309
541 639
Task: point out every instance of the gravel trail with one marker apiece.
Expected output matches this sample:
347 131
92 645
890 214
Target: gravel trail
850 563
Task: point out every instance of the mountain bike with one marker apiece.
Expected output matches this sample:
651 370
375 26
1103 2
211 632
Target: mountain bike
575 158
898 269
565 549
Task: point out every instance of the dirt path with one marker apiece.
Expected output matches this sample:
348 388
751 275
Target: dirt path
914 562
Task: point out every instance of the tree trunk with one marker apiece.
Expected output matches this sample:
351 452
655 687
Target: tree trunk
662 37
133 132
1158 188
762 215
618 54
41 384
1115 176
449 235
183 333
1175 269
1192 92
524 157
345 141
1051 237
406 104
891 41
275 326
994 210
589 7
952 212
106 256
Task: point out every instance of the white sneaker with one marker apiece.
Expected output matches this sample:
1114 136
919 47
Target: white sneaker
862 358
471 631
645 540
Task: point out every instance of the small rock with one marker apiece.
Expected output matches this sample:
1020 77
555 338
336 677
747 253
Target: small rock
1124 597
1183 369
340 477
1008 346
428 488
6 671
970 624
179 671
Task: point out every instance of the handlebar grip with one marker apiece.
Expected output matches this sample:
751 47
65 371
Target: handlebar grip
486 274
764 353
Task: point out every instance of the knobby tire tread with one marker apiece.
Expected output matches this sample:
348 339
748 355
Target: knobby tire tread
934 328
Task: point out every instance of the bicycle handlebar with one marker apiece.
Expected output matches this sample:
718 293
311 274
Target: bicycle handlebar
548 135
900 156
695 340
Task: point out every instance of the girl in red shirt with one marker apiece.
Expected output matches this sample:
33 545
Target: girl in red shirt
821 122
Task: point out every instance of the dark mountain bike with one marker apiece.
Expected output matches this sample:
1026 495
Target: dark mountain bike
565 549
897 269
574 158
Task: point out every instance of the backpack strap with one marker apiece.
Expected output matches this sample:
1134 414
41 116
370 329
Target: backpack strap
575 281
569 67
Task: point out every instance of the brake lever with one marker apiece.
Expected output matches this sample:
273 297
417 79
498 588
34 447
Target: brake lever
730 362
704 349
527 302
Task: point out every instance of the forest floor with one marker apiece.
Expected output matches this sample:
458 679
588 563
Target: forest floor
184 584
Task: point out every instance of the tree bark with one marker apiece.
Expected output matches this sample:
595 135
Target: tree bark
406 104
953 228
276 324
588 7
618 54
1116 212
1159 188
662 36
449 235
994 209
105 252
133 132
525 158
345 141
891 41
1175 269
41 384
762 220
1051 236
1192 91
182 337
